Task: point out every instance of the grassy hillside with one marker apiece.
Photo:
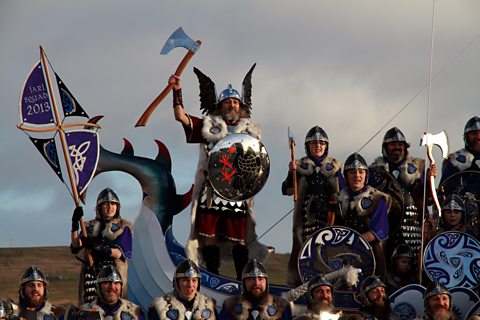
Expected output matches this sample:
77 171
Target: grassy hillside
62 271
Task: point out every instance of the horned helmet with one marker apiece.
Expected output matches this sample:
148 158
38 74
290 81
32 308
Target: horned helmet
107 195
210 102
316 134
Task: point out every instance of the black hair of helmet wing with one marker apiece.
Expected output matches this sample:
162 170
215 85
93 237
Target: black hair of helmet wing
208 93
247 90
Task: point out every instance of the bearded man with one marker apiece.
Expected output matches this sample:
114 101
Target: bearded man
438 303
109 304
374 301
33 293
216 222
255 302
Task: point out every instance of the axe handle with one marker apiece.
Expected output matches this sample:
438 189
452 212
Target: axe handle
294 172
438 213
148 112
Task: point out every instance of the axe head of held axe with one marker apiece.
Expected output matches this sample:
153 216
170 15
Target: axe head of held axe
179 39
439 139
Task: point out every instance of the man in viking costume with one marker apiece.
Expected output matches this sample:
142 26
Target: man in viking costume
375 304
319 178
365 209
33 294
109 304
438 303
255 302
409 172
186 301
320 299
215 222
108 242
467 158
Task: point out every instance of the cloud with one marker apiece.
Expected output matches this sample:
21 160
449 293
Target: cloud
348 66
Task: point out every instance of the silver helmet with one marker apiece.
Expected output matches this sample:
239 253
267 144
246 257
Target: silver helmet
32 273
368 284
435 288
255 269
473 124
355 161
402 251
322 281
455 203
316 134
394 135
186 269
3 309
107 195
108 273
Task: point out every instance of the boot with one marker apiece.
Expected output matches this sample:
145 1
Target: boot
211 256
240 259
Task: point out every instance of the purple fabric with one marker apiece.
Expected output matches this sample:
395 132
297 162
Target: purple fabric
35 104
124 243
83 149
379 222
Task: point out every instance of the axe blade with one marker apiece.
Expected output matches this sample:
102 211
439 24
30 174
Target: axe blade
179 39
291 139
439 139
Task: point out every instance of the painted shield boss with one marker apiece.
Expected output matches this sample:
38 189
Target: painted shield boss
238 167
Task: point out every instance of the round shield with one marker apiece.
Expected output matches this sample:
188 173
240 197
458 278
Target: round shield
466 184
238 167
463 300
331 248
474 310
407 302
453 259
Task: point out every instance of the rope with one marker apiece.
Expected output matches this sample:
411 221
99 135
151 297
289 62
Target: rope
273 226
443 69
432 37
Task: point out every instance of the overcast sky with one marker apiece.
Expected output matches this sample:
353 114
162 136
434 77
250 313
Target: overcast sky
348 66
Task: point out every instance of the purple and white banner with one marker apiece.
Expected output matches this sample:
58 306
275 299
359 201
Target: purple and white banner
83 151
35 107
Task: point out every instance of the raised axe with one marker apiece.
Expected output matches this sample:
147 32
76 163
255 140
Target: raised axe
178 39
291 144
441 140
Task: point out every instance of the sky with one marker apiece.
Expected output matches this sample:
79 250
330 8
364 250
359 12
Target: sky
355 68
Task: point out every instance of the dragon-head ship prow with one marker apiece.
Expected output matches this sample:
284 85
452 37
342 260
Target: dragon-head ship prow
154 176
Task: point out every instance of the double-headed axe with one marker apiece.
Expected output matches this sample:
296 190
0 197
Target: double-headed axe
429 140
291 144
178 39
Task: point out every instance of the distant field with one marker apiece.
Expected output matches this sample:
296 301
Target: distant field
62 271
